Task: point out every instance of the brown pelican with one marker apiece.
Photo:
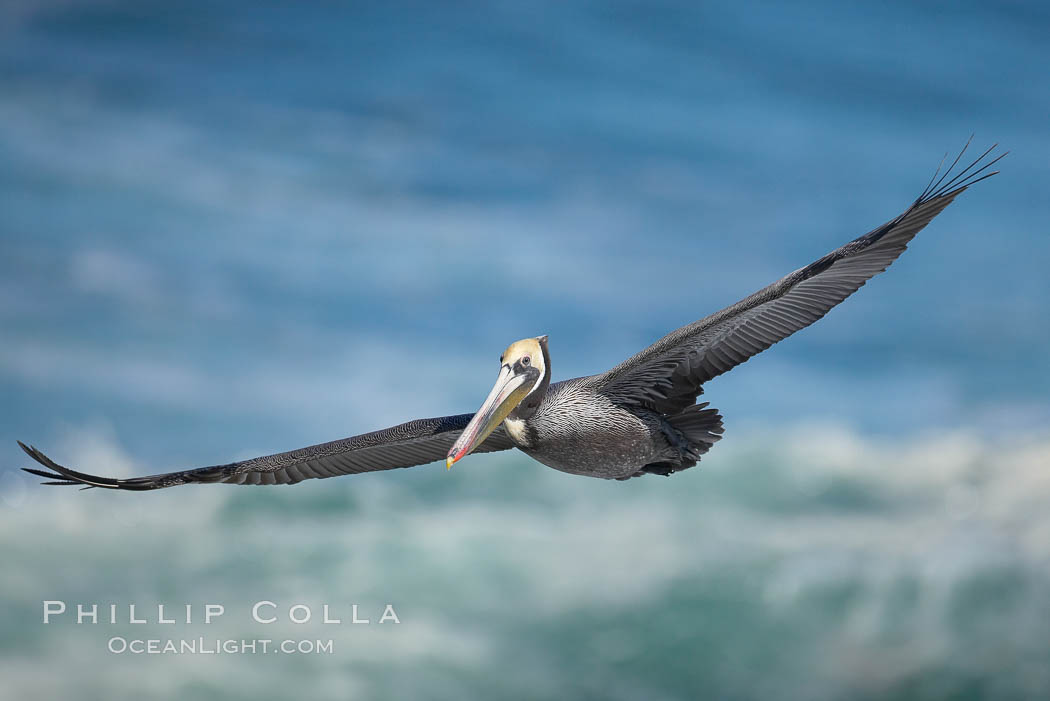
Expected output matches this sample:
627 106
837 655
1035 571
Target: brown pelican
638 418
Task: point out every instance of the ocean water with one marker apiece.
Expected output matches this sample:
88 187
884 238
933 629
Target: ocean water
229 229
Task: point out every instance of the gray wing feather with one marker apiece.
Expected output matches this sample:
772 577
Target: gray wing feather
408 444
668 375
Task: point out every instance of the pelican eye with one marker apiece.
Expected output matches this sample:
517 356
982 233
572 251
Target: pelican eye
526 360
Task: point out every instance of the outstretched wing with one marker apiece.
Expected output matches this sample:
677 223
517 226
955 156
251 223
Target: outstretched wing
408 444
668 375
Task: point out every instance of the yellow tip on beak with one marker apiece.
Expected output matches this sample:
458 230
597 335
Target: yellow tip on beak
448 462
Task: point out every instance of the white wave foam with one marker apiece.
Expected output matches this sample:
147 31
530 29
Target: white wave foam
890 537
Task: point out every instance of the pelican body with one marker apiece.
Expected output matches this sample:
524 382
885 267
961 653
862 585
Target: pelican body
638 418
576 427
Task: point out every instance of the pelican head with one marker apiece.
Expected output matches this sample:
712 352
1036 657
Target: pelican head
524 375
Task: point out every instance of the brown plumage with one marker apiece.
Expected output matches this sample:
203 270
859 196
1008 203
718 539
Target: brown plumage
638 418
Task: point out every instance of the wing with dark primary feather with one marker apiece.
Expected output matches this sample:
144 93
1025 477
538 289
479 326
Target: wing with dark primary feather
668 375
413 443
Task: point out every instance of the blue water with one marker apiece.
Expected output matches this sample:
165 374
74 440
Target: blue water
237 228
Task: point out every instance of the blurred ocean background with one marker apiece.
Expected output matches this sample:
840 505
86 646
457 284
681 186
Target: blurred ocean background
230 229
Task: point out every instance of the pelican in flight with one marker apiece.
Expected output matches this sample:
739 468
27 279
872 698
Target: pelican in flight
641 417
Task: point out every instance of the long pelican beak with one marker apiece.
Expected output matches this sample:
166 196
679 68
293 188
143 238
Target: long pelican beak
508 392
